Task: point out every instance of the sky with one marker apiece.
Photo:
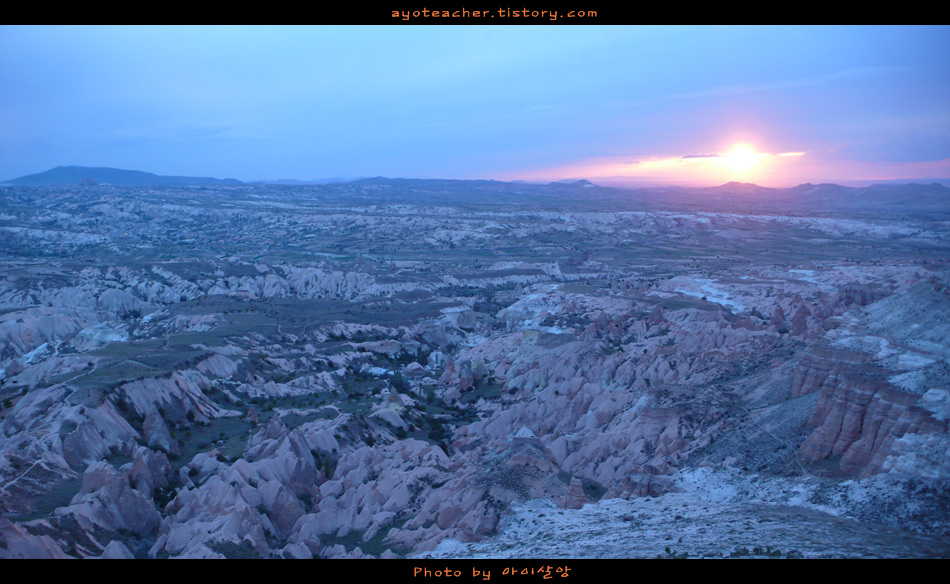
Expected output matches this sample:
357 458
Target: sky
689 106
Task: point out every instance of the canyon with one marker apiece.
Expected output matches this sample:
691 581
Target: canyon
391 368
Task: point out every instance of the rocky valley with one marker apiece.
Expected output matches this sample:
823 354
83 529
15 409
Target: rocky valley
396 368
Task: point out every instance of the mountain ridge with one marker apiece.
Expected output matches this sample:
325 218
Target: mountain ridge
914 197
66 175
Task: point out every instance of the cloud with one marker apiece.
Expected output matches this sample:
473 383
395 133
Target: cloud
914 145
702 156
729 90
177 130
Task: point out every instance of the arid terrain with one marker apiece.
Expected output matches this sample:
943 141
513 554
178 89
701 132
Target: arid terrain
401 368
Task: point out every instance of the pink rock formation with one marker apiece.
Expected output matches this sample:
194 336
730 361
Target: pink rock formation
149 470
17 543
576 498
181 395
107 501
116 550
859 414
157 435
415 370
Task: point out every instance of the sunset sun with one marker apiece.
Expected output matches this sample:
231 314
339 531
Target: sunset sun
741 158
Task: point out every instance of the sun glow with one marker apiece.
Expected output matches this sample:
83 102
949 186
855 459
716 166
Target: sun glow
741 162
742 158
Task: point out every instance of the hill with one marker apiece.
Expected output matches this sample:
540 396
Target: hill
67 175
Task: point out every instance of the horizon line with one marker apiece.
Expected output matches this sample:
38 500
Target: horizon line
611 181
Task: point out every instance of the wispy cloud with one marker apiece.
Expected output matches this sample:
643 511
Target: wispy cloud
178 130
728 90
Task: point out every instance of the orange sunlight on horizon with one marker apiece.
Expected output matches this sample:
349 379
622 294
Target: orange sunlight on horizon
741 162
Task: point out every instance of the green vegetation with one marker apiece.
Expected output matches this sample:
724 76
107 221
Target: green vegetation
229 435
374 546
58 495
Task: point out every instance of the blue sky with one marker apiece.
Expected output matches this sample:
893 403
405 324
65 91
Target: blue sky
772 105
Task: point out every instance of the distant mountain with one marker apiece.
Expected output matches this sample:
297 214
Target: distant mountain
315 181
577 183
890 195
565 194
741 187
919 181
827 189
804 198
69 175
